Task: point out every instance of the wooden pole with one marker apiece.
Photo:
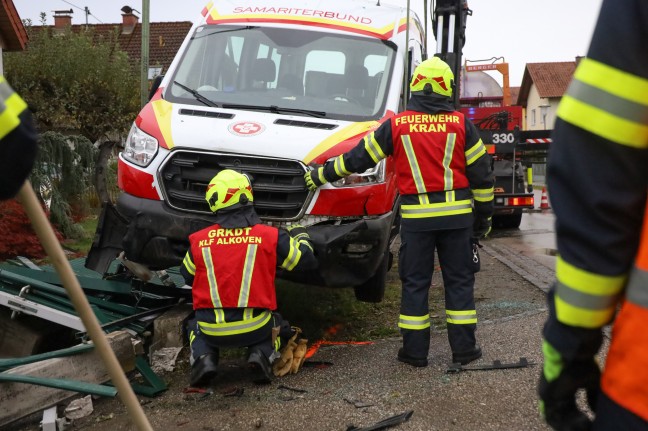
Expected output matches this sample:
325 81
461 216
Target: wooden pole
55 252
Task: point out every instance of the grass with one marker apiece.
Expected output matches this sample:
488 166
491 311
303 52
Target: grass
81 246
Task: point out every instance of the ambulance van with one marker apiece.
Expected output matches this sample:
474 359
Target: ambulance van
271 89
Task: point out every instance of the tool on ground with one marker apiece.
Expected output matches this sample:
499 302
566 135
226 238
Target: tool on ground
496 365
385 423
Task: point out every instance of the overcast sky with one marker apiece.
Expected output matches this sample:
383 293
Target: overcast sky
520 31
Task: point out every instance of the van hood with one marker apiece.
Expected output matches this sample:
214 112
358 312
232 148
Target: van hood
304 138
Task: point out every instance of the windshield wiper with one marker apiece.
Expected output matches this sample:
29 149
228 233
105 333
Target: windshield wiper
199 97
276 109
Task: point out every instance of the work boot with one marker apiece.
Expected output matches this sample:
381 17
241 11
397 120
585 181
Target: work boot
203 370
415 362
260 366
467 357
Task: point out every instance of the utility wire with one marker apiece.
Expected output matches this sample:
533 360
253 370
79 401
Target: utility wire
87 11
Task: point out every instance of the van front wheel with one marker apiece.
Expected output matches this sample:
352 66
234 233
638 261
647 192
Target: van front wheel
373 290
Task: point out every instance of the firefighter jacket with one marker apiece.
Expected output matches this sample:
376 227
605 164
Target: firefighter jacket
17 141
598 179
443 170
236 267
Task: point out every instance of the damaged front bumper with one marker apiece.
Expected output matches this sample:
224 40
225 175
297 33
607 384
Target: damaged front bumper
150 233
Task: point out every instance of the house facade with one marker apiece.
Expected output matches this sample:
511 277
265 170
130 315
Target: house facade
543 85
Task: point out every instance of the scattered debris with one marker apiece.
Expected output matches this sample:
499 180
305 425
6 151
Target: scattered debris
288 388
358 404
233 392
79 408
496 365
165 359
385 423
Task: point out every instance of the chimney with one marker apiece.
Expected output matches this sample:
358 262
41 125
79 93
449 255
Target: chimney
129 22
62 18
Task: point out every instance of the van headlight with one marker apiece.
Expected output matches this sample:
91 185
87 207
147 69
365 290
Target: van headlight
140 147
370 176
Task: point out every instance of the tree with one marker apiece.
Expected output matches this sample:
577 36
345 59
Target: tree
83 90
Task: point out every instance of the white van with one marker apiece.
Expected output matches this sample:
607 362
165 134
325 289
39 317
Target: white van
271 89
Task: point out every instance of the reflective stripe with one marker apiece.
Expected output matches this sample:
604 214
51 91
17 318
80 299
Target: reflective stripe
461 317
637 289
373 149
448 175
414 322
219 315
625 99
483 195
11 106
436 209
450 196
411 158
424 198
320 176
475 152
246 280
340 169
211 277
583 298
294 255
192 337
189 265
238 327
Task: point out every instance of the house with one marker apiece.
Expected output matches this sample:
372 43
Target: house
543 85
13 36
165 38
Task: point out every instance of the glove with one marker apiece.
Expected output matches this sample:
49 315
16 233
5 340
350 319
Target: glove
299 355
559 383
482 227
315 178
297 231
283 365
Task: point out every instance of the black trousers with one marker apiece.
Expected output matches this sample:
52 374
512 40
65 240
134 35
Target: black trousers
416 266
258 339
611 417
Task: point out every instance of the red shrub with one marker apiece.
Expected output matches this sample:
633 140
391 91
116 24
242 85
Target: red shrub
17 237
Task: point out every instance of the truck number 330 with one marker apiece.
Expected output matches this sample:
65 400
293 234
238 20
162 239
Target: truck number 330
503 138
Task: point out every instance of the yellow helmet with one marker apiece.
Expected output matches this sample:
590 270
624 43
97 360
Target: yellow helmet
228 188
432 76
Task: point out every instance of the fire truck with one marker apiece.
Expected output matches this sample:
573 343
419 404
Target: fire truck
512 149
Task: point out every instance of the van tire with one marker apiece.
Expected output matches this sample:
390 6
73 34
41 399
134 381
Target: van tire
508 221
373 290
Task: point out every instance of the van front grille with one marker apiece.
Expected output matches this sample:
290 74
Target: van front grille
280 192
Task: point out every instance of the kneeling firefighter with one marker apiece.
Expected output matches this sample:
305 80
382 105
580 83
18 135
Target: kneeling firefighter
231 267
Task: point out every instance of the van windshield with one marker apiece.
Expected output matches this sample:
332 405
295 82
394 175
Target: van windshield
347 77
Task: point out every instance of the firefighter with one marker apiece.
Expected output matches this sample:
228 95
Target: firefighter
597 177
18 140
446 185
231 267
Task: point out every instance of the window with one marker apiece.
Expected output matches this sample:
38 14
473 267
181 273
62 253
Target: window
533 117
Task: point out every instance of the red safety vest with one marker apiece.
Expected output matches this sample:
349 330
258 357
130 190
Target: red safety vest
429 151
235 267
625 379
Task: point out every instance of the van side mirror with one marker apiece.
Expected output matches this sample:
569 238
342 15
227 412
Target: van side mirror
155 85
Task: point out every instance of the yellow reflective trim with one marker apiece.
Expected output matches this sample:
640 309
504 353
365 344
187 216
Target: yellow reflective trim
238 327
416 323
189 265
340 168
483 195
417 176
475 152
9 112
211 277
370 150
246 279
588 282
436 209
192 337
612 80
448 175
219 315
576 316
461 317
294 255
376 147
424 198
602 123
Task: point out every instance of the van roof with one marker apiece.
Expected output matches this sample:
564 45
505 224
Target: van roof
355 16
